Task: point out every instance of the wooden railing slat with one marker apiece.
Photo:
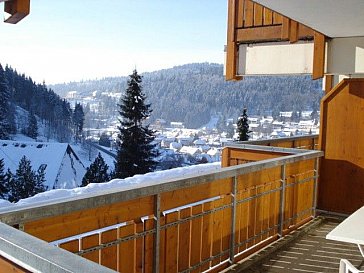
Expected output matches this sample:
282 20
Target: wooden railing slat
109 254
127 249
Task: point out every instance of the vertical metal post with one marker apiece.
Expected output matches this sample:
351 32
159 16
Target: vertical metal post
157 228
315 185
283 192
233 220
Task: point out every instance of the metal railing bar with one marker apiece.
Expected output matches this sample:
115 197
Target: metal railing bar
205 261
256 236
233 219
315 189
157 229
282 199
115 242
281 139
305 180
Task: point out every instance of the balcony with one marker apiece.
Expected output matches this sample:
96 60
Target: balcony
190 224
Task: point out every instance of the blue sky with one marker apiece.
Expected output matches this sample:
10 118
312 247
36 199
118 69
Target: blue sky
63 41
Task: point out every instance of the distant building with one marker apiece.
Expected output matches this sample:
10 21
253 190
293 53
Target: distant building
64 170
175 124
190 150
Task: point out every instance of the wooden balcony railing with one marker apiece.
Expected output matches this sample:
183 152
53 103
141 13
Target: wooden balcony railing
249 22
308 142
190 224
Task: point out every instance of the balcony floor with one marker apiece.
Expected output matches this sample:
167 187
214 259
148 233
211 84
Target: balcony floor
308 253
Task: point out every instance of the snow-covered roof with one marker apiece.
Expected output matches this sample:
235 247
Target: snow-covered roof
199 142
175 145
306 122
38 153
190 150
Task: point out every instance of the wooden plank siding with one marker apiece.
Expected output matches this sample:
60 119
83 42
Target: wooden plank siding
249 22
341 134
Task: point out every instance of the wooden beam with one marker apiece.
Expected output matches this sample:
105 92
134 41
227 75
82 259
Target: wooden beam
293 31
286 25
318 56
269 33
329 81
231 48
17 9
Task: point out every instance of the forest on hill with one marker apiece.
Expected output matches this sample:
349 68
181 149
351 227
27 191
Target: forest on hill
20 91
192 93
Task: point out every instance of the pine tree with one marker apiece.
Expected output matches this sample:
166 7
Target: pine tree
25 183
3 181
97 172
243 126
78 118
136 153
32 130
5 127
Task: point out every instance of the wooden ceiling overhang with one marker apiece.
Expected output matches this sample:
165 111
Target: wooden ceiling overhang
250 23
15 10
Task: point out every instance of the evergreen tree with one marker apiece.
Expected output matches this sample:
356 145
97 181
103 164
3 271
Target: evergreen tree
136 153
32 130
5 127
25 183
78 118
3 181
243 126
97 172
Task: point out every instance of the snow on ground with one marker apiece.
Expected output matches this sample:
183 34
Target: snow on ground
118 184
85 155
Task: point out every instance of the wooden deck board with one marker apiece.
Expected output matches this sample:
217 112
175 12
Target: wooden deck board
310 253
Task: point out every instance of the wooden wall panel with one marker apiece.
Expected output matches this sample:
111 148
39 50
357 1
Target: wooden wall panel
109 254
171 243
184 242
127 249
196 237
207 226
88 242
217 232
174 199
58 227
9 266
341 187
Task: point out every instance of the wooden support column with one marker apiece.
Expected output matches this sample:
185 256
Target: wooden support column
231 49
329 81
318 56
293 31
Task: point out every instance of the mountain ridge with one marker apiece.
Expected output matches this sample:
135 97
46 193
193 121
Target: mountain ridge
192 93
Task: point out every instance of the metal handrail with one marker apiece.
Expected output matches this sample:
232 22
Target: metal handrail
35 255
